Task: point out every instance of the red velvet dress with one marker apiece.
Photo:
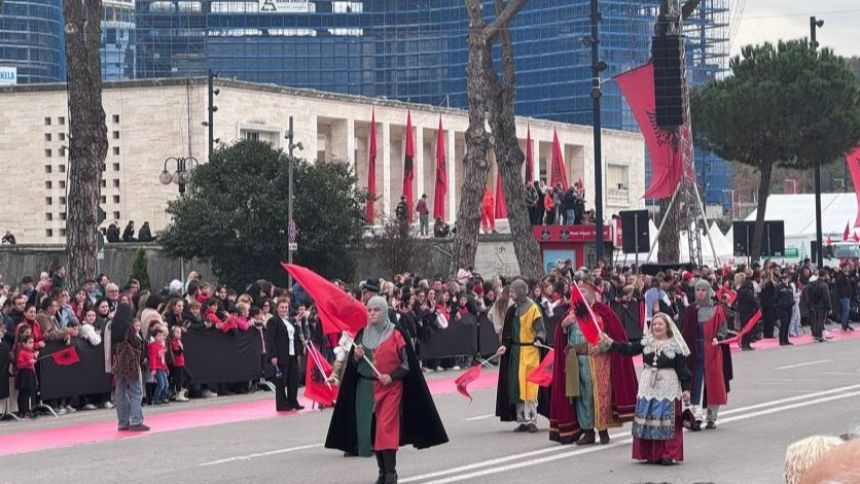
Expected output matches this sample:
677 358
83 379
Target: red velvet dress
387 398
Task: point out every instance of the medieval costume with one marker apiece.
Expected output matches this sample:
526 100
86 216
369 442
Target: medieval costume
371 415
658 435
517 399
710 363
590 392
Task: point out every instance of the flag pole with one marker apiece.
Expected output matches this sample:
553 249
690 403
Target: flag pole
315 355
370 363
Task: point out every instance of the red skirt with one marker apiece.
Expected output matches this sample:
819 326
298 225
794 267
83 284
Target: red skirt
654 450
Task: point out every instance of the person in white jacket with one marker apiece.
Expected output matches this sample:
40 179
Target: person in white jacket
88 331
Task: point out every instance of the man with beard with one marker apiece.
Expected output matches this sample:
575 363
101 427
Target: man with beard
592 388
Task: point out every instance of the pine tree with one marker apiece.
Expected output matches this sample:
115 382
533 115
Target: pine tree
139 269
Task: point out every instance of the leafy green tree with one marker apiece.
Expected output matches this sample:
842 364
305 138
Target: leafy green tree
139 268
786 105
235 215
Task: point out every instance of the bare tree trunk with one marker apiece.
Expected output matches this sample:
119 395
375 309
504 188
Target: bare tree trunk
766 172
87 135
509 158
479 70
670 236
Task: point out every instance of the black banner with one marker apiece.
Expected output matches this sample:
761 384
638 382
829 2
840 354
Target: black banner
86 376
460 338
5 358
215 357
488 340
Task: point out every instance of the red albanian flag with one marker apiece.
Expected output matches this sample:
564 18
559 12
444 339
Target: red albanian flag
463 381
746 329
584 316
542 375
66 356
338 310
317 370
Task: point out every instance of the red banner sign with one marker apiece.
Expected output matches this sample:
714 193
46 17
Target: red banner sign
570 233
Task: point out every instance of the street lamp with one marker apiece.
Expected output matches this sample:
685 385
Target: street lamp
292 230
815 24
597 66
182 175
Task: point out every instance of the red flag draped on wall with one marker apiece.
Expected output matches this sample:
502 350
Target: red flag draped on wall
501 210
557 173
317 370
441 175
530 160
853 160
637 86
338 310
409 169
371 172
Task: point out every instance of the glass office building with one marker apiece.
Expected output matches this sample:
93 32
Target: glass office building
415 50
118 40
31 40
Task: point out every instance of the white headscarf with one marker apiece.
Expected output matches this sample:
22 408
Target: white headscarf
676 340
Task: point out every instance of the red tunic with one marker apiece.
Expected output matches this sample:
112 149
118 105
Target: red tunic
386 398
716 371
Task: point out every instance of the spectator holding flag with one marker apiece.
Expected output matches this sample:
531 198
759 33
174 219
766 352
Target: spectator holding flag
25 356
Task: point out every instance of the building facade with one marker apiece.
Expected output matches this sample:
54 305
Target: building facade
149 121
31 40
118 40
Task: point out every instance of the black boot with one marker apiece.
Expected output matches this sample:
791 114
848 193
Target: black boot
380 461
390 460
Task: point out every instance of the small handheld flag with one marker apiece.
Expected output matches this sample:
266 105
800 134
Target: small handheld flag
66 356
542 375
463 381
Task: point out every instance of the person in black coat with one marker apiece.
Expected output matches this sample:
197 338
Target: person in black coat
767 299
746 306
285 344
112 233
145 233
784 305
128 233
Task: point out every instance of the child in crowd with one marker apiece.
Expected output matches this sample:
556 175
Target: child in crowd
210 313
88 330
25 376
158 366
177 370
194 319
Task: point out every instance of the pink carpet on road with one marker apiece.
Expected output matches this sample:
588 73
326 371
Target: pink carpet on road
88 433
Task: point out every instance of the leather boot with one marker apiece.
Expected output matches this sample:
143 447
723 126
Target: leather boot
604 437
587 438
390 460
380 461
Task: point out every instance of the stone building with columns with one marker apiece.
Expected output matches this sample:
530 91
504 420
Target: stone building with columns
149 121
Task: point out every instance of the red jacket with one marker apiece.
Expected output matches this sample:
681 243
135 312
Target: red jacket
38 336
157 360
178 355
213 318
26 360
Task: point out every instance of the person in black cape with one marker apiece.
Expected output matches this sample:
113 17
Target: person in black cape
420 425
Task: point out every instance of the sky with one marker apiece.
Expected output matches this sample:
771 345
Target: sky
772 20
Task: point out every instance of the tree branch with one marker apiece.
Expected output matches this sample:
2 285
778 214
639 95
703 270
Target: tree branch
503 19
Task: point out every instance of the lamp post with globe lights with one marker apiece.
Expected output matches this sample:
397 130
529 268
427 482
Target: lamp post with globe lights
182 175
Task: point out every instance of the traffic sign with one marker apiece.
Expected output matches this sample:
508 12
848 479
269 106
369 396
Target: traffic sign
293 246
792 252
292 232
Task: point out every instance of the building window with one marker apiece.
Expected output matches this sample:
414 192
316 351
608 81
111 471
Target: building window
47 136
62 215
103 199
116 135
47 121
116 183
618 189
48 184
61 120
48 153
62 168
103 183
116 216
49 233
104 167
49 201
116 199
62 183
62 200
62 232
62 136
48 168
62 151
116 118
49 216
116 150
252 135
116 167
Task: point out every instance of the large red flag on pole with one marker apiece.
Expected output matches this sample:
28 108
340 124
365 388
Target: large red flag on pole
409 169
530 161
338 310
441 175
853 160
371 171
501 210
664 148
557 173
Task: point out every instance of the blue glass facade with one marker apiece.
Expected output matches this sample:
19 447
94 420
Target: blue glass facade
118 40
31 40
415 50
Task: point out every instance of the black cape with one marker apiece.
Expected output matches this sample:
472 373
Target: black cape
420 424
506 410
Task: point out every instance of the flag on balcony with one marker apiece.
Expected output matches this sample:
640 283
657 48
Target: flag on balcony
853 160
409 169
664 147
501 210
371 172
441 175
530 161
557 174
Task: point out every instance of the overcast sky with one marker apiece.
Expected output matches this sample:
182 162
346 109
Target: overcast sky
771 20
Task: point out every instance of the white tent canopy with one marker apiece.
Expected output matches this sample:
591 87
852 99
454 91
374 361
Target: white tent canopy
798 213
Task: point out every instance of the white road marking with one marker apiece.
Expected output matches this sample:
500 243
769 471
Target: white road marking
543 460
260 454
799 365
479 417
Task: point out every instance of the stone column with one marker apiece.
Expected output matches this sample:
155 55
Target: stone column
386 169
350 144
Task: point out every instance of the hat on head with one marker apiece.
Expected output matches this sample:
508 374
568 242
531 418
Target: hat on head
370 285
